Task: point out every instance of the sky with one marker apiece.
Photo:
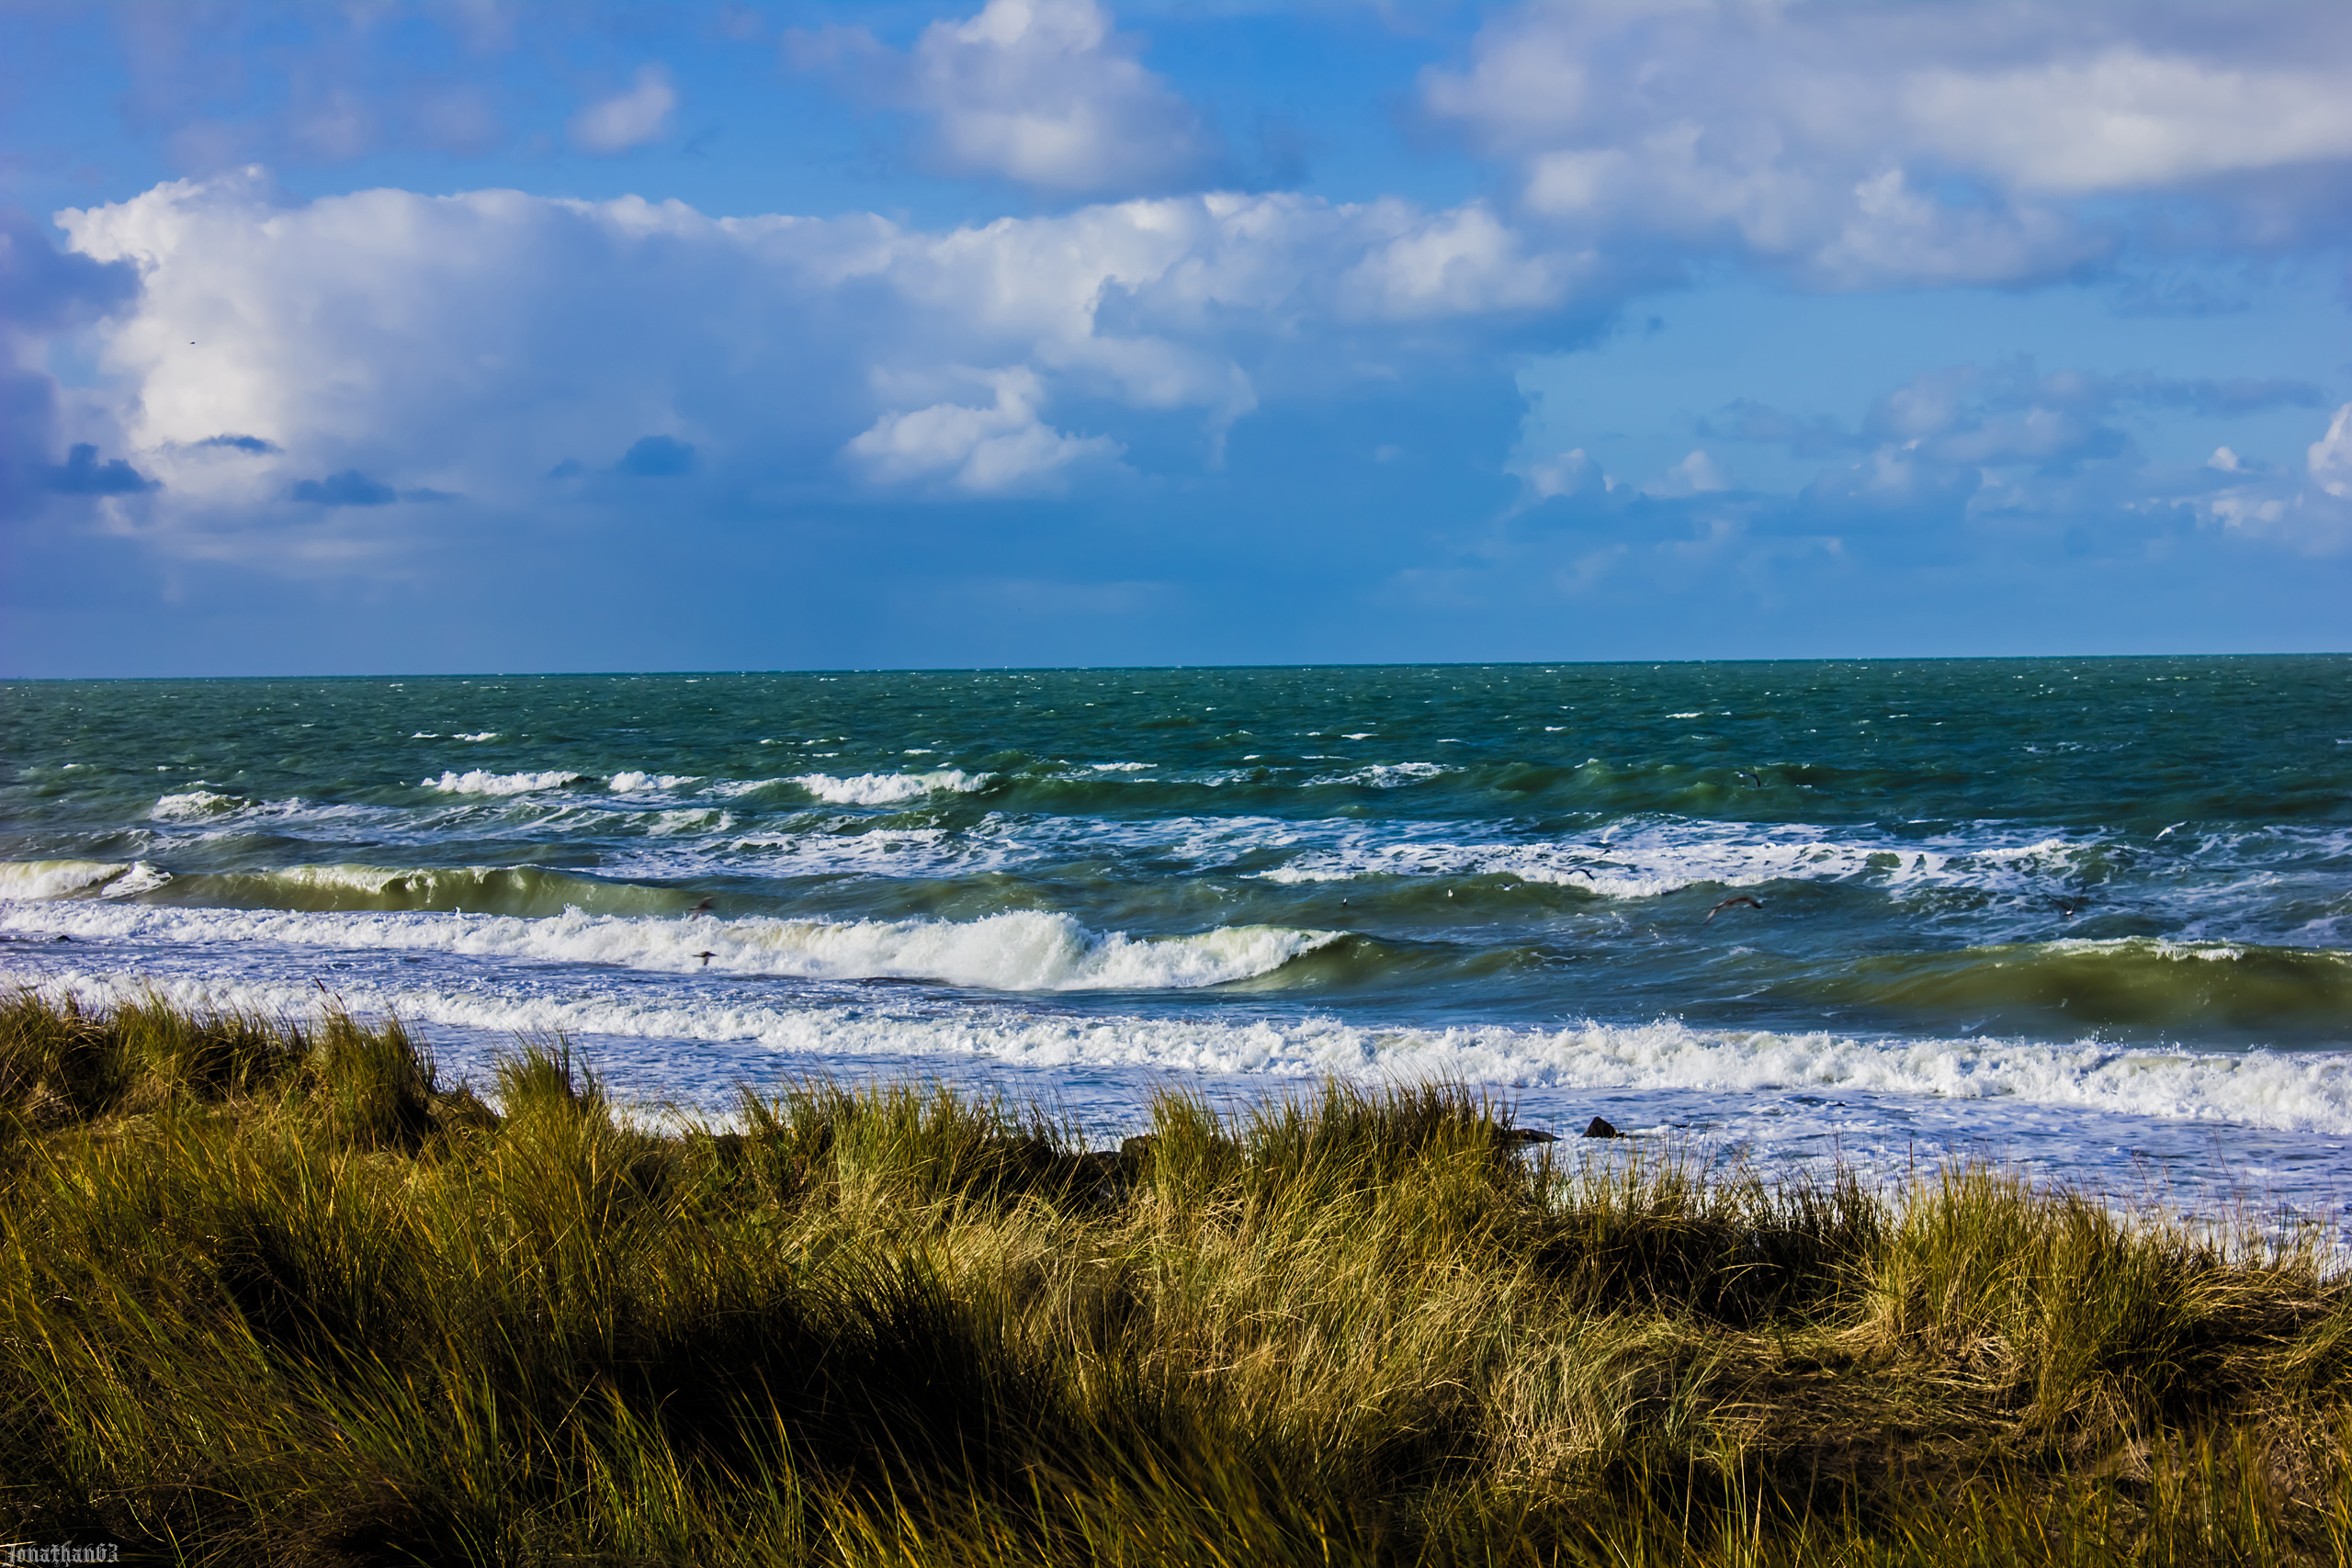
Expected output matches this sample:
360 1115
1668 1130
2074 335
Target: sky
461 336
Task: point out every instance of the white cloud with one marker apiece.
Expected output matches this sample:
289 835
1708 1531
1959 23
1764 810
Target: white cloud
1453 263
2329 458
1696 474
1565 473
1000 448
2130 120
628 119
470 345
1864 146
1042 92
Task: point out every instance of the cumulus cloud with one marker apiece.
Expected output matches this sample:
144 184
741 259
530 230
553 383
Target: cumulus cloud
1042 92
2010 413
2312 514
629 119
1003 447
2013 447
1696 474
2329 459
1892 145
843 356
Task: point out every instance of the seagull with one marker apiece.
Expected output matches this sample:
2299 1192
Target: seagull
1749 779
706 958
701 908
1736 898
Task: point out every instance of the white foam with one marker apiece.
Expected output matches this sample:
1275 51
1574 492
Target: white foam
689 820
729 788
885 789
1020 951
1121 767
194 805
141 878
483 735
43 879
480 783
1394 776
632 783
1656 855
2003 1080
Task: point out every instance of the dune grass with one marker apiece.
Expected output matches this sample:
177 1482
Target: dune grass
270 1290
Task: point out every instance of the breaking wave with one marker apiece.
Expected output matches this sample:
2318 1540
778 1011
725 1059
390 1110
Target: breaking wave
478 781
2306 1091
1020 951
887 789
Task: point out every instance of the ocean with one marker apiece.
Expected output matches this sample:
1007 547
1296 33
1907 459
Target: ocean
2092 916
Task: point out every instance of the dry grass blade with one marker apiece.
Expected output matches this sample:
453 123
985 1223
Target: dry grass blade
270 1289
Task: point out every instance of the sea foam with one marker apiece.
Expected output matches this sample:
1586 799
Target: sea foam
1018 951
887 789
2003 1079
45 879
193 806
478 781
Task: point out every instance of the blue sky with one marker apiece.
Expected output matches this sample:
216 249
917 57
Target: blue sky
467 336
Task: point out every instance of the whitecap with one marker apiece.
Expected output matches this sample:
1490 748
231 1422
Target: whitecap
194 805
480 783
40 879
2000 1079
885 789
1019 951
631 782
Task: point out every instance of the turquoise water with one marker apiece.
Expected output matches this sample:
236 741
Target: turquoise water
2038 893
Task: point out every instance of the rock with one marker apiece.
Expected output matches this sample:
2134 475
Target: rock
1600 1128
1523 1135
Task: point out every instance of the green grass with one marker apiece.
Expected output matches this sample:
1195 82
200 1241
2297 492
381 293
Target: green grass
270 1290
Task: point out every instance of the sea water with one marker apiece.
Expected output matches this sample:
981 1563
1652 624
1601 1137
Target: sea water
2092 916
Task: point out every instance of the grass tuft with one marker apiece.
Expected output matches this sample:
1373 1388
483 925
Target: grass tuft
270 1290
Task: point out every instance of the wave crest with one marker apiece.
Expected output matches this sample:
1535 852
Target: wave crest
479 781
887 789
1019 951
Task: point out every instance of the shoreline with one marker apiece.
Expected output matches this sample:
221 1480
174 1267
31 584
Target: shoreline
2299 1176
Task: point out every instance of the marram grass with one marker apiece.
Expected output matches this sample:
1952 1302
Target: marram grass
271 1291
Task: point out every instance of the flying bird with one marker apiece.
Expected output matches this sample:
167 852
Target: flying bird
701 908
1736 898
706 958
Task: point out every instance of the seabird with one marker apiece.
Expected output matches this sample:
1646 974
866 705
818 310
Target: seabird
701 908
706 958
1734 899
1749 779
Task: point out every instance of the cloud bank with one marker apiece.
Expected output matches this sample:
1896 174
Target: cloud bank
337 386
1877 146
